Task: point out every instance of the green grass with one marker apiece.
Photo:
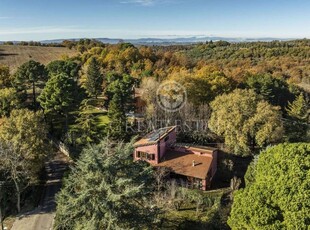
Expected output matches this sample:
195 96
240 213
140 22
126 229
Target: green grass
96 111
102 118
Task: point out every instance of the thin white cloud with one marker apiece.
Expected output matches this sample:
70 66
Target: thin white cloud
40 30
147 2
140 2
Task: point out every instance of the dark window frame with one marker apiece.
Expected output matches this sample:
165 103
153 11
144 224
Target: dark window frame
145 155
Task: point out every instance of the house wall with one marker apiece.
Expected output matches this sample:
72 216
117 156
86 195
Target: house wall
165 144
204 185
151 149
158 149
214 162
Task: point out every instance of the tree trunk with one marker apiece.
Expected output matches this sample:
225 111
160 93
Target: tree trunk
34 96
17 196
1 218
66 121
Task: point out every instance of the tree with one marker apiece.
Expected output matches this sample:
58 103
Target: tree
58 95
297 124
8 101
13 165
273 90
203 85
106 190
149 88
244 121
69 68
28 75
122 85
117 116
86 126
278 195
94 78
5 77
299 108
24 145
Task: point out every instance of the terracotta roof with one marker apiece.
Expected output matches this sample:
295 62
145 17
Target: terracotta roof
182 163
153 137
203 149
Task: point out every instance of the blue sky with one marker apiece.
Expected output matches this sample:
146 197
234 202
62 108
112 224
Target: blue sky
53 19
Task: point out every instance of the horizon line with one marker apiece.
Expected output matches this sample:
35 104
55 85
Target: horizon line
167 37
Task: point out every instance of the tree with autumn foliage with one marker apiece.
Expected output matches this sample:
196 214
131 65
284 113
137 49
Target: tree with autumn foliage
245 121
23 148
203 85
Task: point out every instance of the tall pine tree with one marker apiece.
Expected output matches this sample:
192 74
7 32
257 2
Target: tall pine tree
117 116
29 75
94 78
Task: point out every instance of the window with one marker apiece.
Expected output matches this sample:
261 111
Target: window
143 155
151 157
147 156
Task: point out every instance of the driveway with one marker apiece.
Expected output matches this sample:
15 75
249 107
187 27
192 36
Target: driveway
42 217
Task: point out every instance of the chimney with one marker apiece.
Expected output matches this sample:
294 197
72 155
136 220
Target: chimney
194 164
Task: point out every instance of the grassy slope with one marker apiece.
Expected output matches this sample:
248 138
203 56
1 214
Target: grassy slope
14 56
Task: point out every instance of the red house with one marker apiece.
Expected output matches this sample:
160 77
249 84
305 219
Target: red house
195 164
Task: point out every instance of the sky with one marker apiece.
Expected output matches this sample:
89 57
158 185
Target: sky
59 19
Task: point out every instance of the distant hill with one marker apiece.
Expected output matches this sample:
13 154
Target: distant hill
173 40
14 55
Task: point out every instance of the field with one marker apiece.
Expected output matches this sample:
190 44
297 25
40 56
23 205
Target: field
14 56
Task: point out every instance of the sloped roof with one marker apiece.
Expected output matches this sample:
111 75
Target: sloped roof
182 163
153 137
